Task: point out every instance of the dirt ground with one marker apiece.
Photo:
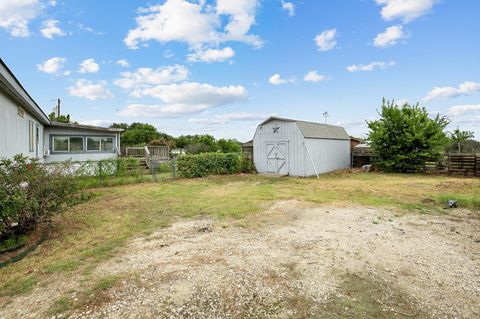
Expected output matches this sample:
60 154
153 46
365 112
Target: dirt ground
296 260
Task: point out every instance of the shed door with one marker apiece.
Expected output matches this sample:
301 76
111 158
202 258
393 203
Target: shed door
277 154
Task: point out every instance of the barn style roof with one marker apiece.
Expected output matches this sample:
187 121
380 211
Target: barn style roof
315 130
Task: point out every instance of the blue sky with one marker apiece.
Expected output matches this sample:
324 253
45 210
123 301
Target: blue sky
219 67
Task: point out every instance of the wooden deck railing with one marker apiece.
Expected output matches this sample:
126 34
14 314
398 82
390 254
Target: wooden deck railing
156 152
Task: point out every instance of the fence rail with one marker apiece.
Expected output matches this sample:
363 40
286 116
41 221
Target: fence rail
452 164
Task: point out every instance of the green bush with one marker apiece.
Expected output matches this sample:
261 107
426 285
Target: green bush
246 164
205 164
31 192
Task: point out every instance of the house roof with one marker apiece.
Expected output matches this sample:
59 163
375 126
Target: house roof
86 127
315 130
11 84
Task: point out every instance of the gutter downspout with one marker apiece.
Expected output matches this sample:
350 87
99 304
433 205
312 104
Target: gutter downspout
311 159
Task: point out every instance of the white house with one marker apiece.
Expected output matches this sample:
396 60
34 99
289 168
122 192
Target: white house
25 129
299 148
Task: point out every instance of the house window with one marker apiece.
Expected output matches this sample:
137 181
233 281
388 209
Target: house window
68 144
20 111
107 143
93 143
76 144
31 137
61 144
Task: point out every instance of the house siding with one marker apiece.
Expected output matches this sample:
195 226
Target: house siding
14 129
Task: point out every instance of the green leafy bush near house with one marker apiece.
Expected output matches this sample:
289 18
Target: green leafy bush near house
205 164
31 193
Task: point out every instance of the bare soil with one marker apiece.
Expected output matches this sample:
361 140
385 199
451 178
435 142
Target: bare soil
295 260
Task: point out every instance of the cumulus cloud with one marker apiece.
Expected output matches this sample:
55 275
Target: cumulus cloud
221 119
88 66
211 55
407 10
123 63
390 37
313 76
370 67
289 7
276 79
145 77
326 40
447 92
50 29
16 15
184 98
460 110
207 25
53 65
90 90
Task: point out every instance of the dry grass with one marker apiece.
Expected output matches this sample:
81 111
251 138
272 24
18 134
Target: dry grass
92 232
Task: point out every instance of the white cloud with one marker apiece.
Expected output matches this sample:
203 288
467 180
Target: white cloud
326 40
276 79
101 123
289 7
221 119
447 92
211 55
15 16
184 98
145 77
167 22
90 90
52 65
88 66
390 37
313 76
460 110
123 63
407 10
370 67
50 29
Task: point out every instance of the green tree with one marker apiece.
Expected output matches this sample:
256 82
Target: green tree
229 146
62 118
459 137
405 137
137 134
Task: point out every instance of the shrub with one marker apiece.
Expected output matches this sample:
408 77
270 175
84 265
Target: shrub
205 164
246 164
31 193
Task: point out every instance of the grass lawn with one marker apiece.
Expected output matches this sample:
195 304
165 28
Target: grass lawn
94 231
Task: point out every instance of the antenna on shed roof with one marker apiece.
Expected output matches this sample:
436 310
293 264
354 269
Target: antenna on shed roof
325 116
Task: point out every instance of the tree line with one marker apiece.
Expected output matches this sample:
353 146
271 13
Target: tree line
140 134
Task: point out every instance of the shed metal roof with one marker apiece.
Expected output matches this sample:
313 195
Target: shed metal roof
315 130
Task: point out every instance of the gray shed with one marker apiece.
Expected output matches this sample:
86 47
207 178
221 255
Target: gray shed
300 148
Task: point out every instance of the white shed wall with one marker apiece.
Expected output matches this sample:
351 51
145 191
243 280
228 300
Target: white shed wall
288 131
14 130
328 155
83 156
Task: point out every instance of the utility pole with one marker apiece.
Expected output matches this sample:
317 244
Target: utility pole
58 108
325 115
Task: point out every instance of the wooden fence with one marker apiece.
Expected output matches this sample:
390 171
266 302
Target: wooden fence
452 164
456 164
